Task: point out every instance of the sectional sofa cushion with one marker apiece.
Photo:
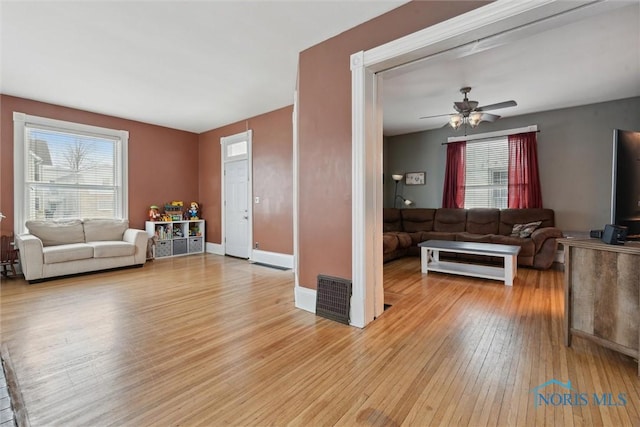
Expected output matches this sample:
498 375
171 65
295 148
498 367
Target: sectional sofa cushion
57 232
392 221
417 219
101 229
483 221
511 217
450 220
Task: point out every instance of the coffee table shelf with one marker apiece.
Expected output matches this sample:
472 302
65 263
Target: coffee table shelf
430 259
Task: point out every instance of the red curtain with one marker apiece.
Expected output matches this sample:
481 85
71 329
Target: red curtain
524 182
454 176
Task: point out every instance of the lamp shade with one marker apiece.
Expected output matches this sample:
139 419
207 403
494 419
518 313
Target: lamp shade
397 177
474 118
455 121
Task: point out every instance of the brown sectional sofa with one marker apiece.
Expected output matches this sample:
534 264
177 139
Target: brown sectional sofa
405 228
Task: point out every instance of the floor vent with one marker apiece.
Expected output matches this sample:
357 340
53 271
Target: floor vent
333 298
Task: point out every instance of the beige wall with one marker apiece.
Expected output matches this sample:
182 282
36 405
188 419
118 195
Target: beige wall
272 137
324 130
163 162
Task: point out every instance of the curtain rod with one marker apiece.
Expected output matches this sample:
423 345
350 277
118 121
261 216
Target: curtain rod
489 135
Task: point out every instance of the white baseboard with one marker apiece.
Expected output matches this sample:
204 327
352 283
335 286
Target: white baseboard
272 258
214 248
305 299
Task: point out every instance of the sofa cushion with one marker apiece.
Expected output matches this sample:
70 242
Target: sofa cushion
470 237
389 243
450 220
419 219
102 229
108 249
510 217
391 220
527 247
483 220
437 235
64 253
57 231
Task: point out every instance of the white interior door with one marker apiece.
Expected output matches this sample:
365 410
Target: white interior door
236 208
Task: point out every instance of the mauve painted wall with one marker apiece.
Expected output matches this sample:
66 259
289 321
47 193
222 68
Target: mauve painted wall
272 137
163 162
324 133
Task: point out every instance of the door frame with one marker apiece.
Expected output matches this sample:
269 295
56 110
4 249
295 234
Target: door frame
224 142
366 106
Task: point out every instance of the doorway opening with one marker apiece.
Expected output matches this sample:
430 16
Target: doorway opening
367 127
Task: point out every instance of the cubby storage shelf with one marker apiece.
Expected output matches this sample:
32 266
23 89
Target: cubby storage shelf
175 238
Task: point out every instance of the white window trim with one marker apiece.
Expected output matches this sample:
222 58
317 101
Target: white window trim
20 121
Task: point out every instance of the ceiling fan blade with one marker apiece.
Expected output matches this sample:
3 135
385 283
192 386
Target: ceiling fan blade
497 106
487 117
433 117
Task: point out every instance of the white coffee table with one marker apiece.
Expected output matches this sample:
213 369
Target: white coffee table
430 256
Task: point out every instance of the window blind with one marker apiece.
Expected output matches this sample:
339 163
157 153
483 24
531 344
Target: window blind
486 164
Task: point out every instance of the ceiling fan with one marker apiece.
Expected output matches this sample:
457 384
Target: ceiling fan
468 112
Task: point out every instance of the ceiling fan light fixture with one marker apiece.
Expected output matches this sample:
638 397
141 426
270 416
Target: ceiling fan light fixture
455 121
475 118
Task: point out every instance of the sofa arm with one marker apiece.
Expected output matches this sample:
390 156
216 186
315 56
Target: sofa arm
31 256
546 246
541 235
139 238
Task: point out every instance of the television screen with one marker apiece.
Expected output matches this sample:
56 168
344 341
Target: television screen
625 203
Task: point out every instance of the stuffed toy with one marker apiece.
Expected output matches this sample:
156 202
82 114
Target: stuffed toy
193 210
154 215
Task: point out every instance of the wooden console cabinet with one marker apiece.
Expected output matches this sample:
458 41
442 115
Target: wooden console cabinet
602 294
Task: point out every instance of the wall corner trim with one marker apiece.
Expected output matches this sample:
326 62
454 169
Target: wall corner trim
214 248
305 299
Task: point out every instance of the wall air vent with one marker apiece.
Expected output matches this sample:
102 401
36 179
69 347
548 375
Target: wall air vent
333 298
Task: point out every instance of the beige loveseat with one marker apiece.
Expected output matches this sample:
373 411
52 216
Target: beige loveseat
69 246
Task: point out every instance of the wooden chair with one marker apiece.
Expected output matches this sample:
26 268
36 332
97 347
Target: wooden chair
8 256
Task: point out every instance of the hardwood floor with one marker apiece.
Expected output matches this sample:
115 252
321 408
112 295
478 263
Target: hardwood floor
207 340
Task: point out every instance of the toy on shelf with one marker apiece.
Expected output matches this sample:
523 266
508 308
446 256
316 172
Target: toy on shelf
177 231
194 211
154 214
173 210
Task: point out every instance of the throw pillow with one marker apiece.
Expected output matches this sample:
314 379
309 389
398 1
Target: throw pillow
524 230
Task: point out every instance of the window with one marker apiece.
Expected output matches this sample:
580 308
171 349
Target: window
486 165
68 170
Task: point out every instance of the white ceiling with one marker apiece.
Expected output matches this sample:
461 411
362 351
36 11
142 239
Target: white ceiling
570 61
194 65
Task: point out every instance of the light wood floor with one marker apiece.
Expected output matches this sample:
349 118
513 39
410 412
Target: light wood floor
207 340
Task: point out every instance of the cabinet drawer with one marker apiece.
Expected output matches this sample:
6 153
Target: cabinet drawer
179 246
195 244
163 248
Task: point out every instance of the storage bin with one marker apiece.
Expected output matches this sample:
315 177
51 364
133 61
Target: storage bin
179 246
195 244
163 248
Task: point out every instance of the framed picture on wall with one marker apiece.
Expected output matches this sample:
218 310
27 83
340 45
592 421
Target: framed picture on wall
415 178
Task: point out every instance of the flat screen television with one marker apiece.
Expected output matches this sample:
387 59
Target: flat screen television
625 191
